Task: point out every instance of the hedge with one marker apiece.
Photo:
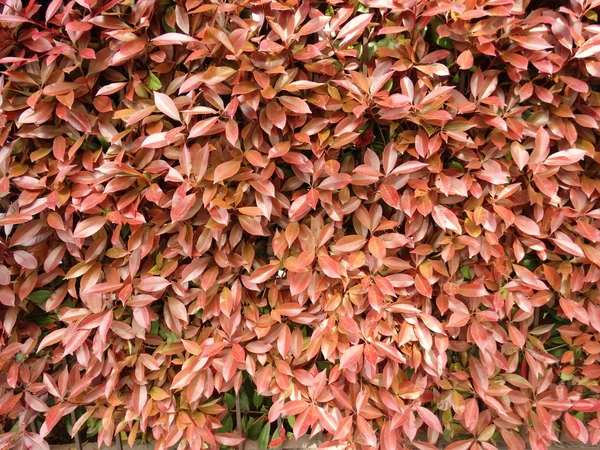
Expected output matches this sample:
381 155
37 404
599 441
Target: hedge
373 219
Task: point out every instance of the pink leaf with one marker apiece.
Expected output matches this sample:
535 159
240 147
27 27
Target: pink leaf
465 60
430 419
166 105
565 157
351 356
88 227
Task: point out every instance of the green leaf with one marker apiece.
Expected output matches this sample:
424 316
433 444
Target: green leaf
40 296
155 270
371 47
265 436
154 84
244 401
466 273
388 85
103 142
447 435
253 432
558 353
229 400
530 263
69 425
93 426
444 43
566 376
291 421
248 424
227 424
257 400
592 15
42 321
166 12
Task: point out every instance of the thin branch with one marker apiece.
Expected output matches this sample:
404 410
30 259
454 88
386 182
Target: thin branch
77 440
238 416
256 413
463 83
279 425
30 20
365 56
119 441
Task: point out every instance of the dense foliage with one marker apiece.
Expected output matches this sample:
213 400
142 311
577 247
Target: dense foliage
379 219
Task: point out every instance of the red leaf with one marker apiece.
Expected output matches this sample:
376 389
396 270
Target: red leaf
527 226
295 104
529 278
153 284
446 219
229 439
166 105
355 26
203 127
7 296
565 157
465 60
263 273
226 170
53 416
336 182
390 195
330 267
349 244
366 429
576 428
408 167
430 419
479 334
88 227
313 26
173 38
472 290
181 204
471 414
423 286
351 356
294 407
575 84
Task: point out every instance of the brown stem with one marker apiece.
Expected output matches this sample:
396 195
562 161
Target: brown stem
365 56
73 421
279 425
463 84
238 416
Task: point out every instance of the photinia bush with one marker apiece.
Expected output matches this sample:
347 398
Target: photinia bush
258 219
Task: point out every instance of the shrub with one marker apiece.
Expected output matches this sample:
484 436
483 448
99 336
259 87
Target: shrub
374 219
